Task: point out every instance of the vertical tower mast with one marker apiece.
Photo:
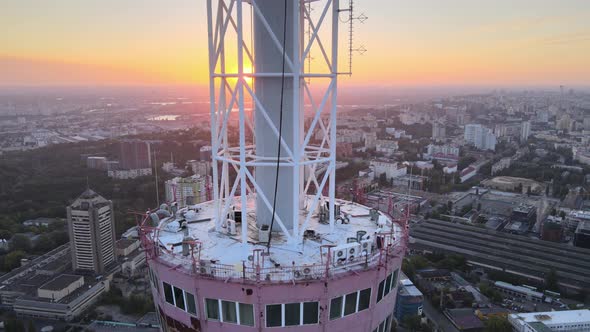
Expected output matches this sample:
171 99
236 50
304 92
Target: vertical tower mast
246 165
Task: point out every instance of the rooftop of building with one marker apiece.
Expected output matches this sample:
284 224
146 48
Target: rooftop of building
464 319
555 317
539 327
520 289
220 248
125 243
87 199
583 227
408 289
60 282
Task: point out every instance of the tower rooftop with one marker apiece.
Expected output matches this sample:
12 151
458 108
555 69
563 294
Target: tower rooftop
230 255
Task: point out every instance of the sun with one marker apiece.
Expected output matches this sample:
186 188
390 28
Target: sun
248 79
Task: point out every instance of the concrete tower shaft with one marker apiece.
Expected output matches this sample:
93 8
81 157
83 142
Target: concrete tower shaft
268 59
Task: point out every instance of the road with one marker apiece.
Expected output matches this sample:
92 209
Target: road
441 322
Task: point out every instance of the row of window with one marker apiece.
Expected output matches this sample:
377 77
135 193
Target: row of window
277 315
384 326
292 314
230 312
387 285
180 298
350 303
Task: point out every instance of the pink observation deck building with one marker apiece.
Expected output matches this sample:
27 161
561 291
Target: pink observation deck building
274 250
339 280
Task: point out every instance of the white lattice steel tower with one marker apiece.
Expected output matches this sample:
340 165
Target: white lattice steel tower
247 66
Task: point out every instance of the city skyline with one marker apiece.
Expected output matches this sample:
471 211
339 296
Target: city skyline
530 43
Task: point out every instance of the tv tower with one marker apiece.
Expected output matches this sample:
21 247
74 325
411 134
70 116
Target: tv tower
270 76
270 250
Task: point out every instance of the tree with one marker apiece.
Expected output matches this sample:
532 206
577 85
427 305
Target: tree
12 260
31 327
44 244
20 242
551 282
412 323
497 324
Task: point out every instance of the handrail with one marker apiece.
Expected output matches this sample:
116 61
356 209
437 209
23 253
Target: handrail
257 273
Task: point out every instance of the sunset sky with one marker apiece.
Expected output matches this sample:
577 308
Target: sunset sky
410 43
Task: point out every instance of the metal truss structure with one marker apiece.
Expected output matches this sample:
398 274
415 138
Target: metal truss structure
233 96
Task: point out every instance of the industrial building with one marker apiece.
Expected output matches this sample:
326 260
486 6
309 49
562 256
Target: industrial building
522 255
48 288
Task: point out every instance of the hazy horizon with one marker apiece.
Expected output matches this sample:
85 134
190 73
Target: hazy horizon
426 43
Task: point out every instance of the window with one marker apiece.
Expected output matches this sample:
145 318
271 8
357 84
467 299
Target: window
230 312
212 309
274 315
246 314
380 290
190 303
336 307
179 298
350 304
364 299
168 293
387 285
311 312
292 314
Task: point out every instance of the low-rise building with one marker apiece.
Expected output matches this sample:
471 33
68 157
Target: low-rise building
569 320
582 235
411 181
502 164
387 147
392 169
125 174
444 152
519 291
467 173
409 300
574 217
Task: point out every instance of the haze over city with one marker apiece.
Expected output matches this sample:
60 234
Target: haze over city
429 43
294 165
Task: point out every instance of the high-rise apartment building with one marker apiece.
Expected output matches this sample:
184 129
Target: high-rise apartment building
480 137
91 225
525 131
188 191
135 154
438 131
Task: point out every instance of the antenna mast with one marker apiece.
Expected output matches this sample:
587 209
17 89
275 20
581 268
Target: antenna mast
351 47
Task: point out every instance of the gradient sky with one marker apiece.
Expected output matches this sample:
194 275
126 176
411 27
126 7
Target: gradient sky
410 43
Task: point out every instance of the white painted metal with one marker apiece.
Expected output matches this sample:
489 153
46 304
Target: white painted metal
238 100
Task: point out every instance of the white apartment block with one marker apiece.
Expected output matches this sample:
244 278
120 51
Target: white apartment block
480 137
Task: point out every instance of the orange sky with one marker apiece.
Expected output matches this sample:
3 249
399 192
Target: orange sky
421 42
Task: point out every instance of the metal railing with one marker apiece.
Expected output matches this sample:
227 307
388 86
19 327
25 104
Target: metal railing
256 271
